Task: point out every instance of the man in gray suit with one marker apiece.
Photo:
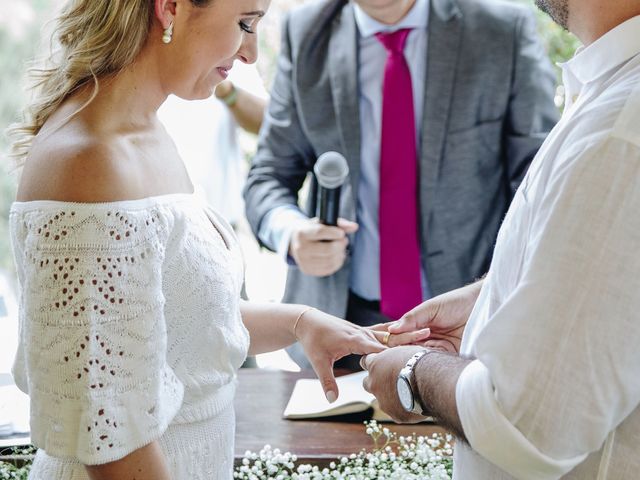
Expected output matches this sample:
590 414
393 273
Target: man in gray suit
473 93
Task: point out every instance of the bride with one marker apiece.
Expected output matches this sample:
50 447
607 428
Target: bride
131 327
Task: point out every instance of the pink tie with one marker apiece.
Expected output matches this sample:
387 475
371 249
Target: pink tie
400 278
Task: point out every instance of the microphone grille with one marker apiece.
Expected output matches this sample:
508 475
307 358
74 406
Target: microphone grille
331 170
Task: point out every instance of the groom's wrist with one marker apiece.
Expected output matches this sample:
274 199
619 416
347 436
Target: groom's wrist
436 378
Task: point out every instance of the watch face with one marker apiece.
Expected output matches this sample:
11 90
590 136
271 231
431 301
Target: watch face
405 394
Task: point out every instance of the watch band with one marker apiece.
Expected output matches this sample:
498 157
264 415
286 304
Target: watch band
409 373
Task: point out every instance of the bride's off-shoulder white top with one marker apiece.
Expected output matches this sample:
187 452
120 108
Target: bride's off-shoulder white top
129 321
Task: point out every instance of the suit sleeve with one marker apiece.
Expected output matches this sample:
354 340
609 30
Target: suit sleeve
284 155
532 113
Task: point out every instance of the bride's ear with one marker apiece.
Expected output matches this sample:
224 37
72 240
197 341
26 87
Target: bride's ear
165 12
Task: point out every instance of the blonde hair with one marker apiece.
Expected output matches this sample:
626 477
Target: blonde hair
93 39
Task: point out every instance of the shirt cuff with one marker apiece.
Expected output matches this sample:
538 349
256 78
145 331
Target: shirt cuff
277 227
493 436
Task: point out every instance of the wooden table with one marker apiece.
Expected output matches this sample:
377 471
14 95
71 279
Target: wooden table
261 398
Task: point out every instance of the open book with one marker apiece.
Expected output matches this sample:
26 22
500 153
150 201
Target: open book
308 399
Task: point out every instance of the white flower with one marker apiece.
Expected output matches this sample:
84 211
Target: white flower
393 458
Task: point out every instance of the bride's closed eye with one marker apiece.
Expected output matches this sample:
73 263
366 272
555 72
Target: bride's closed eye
246 27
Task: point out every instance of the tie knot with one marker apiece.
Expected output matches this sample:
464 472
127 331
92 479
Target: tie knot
394 42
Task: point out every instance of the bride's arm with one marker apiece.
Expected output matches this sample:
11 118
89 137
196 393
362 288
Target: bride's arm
147 462
271 325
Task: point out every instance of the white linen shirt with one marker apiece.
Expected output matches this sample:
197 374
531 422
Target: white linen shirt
554 389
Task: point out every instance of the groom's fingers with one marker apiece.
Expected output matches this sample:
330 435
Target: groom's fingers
409 338
417 318
362 362
365 361
366 384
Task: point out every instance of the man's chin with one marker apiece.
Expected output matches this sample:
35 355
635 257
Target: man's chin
558 10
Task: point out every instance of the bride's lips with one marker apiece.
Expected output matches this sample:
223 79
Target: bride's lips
224 71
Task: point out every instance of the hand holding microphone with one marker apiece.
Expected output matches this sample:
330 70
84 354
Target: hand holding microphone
319 245
331 171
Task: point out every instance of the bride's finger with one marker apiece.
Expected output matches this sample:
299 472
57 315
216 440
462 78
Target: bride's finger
367 342
381 327
324 370
382 336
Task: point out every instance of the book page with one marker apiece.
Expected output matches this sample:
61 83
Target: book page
308 399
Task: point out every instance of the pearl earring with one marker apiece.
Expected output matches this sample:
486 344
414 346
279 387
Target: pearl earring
167 34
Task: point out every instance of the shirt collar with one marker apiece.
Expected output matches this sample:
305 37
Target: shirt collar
417 17
612 49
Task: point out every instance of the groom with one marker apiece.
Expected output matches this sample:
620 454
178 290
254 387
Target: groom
546 383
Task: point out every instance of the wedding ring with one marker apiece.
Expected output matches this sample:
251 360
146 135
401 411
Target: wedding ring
385 338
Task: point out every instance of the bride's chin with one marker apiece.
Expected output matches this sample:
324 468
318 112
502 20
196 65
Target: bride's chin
199 93
201 89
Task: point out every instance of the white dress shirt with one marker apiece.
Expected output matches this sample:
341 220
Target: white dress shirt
554 389
278 225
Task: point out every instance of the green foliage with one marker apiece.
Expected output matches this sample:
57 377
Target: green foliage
8 470
19 40
559 43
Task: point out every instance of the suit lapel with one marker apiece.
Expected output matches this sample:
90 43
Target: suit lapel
343 69
445 28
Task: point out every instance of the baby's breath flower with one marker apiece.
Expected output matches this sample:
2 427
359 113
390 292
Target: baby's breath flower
393 458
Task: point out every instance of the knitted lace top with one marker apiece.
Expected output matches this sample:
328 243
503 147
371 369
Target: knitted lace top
129 320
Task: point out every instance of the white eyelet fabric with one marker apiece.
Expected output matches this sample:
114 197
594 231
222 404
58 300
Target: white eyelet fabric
130 331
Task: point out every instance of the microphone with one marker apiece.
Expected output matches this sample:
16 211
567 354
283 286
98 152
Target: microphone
331 171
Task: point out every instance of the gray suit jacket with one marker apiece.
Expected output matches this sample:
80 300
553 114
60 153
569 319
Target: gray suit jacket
488 107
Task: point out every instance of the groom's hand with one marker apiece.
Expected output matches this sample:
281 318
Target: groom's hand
445 315
383 369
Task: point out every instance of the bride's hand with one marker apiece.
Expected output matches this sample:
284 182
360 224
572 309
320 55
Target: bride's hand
326 339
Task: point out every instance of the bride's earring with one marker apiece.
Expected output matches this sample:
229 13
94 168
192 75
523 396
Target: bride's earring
167 34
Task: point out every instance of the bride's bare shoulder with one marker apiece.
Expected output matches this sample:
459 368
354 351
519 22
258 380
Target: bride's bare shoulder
70 165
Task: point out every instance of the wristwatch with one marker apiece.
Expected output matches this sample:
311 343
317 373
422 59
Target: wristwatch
409 398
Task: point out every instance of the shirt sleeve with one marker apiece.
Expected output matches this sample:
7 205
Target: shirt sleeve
556 368
94 335
277 227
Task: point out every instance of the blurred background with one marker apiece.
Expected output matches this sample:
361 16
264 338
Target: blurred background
21 38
